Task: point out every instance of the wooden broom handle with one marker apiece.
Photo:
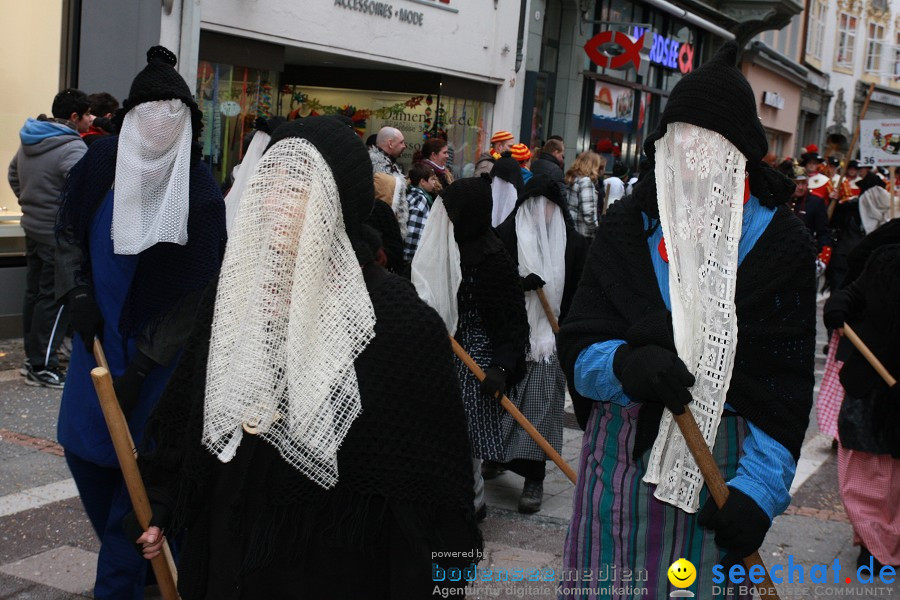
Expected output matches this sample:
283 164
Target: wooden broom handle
548 310
717 488
163 565
870 356
516 414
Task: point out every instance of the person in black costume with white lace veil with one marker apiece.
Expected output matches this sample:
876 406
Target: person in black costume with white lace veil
699 289
464 272
302 462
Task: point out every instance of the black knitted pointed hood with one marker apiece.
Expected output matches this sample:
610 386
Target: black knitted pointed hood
160 81
718 97
351 167
507 168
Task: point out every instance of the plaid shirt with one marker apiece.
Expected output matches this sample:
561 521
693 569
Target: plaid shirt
419 207
581 198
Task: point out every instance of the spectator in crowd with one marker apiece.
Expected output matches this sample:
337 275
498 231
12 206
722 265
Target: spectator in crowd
614 185
389 145
49 148
522 155
435 153
103 108
501 142
581 192
422 182
550 162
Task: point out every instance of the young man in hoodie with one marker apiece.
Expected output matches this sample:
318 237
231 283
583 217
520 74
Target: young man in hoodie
50 147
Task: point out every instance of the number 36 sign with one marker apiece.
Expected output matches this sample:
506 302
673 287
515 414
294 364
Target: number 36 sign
879 142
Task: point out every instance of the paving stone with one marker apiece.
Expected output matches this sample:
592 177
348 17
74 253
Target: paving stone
65 568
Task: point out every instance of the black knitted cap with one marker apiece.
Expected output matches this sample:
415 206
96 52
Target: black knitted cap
718 97
869 181
160 81
507 168
469 203
348 158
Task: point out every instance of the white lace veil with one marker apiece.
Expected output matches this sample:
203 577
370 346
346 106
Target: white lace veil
436 272
541 233
153 177
242 174
292 314
700 182
504 195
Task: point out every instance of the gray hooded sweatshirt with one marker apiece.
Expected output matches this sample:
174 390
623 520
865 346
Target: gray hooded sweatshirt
38 172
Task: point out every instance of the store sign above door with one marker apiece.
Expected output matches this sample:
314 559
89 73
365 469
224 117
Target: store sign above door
669 53
615 50
383 10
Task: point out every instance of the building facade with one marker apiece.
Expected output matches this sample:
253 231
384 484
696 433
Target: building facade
590 100
427 67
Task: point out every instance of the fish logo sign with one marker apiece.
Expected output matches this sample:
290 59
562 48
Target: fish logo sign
631 50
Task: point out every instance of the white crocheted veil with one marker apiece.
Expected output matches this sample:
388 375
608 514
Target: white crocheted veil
292 314
153 177
700 183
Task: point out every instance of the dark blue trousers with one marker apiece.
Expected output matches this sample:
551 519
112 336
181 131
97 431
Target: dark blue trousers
121 570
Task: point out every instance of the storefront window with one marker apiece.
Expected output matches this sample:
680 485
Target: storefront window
466 123
231 98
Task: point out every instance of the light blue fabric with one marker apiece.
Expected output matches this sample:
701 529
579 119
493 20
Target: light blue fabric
34 131
766 469
526 174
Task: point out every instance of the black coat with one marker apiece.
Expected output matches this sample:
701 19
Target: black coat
812 211
619 298
546 164
870 418
260 529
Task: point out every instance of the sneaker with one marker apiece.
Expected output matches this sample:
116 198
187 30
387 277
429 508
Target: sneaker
46 377
25 368
532 495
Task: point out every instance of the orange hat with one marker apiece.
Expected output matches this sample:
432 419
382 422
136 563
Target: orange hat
520 152
501 136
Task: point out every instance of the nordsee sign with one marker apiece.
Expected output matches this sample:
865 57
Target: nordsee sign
383 10
668 52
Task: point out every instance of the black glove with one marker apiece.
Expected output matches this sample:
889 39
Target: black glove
161 516
532 282
653 374
740 525
494 382
834 314
85 316
128 386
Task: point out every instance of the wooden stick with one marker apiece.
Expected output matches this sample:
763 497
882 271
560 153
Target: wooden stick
717 488
548 310
163 565
862 115
870 356
892 189
516 414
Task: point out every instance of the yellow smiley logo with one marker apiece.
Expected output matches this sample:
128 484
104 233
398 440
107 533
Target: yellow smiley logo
682 573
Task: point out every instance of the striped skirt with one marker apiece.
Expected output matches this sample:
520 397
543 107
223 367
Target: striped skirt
541 397
619 528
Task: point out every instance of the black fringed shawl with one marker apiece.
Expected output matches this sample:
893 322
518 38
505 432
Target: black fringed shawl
618 298
166 273
405 461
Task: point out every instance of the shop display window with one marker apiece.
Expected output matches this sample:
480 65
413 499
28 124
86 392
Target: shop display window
231 98
466 123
